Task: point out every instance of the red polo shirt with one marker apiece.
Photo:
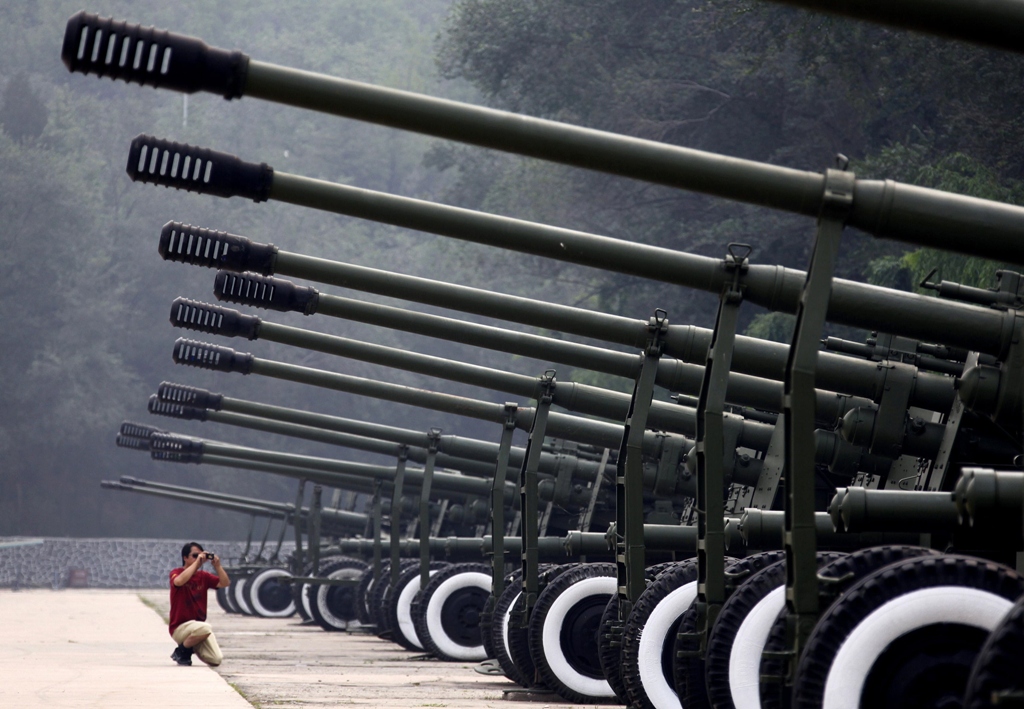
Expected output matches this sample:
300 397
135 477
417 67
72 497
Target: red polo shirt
188 601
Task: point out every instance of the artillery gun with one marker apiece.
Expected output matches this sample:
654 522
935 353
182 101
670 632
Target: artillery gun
885 209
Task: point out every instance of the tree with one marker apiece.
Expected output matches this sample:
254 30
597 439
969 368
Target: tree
22 113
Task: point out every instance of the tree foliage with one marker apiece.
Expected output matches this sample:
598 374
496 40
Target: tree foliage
747 79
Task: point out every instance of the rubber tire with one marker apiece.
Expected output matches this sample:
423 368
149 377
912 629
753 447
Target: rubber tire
554 618
380 597
688 672
609 644
500 633
519 638
464 587
264 582
301 592
650 632
333 607
862 624
843 572
487 619
400 606
365 612
238 585
747 598
998 667
222 600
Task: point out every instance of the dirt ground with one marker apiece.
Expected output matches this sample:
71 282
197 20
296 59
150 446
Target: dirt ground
283 663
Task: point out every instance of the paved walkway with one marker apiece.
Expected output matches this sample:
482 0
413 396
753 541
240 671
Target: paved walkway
111 650
92 648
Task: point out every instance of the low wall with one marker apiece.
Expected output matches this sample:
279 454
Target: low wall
59 562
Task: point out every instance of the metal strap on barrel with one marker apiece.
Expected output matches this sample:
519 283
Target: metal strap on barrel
375 518
629 479
711 447
587 515
434 439
274 558
248 541
498 507
396 516
263 542
799 413
314 530
300 561
529 501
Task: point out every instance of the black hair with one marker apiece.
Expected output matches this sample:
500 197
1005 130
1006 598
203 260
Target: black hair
188 548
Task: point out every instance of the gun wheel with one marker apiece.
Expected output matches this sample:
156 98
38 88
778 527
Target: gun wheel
237 591
997 671
610 642
447 612
334 607
563 632
380 598
735 644
842 573
399 609
688 672
269 595
906 635
223 600
501 617
648 637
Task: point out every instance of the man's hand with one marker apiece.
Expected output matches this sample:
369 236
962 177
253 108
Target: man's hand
216 561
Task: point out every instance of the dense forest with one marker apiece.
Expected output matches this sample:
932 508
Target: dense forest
84 296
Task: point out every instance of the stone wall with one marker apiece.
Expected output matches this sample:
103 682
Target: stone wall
100 563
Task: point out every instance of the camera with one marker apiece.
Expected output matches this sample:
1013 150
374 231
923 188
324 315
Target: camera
209 554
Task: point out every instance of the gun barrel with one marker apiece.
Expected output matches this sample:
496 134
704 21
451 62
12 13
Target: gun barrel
982 495
743 390
443 482
142 484
863 510
250 508
688 344
884 208
456 451
888 209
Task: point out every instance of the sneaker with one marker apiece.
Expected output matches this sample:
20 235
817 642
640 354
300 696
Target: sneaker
182 655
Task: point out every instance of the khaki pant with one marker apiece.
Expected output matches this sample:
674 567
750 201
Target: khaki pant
208 651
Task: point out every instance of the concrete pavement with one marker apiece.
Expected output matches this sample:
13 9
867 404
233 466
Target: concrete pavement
92 648
110 649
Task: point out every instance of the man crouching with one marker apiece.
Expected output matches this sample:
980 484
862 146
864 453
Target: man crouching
188 624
